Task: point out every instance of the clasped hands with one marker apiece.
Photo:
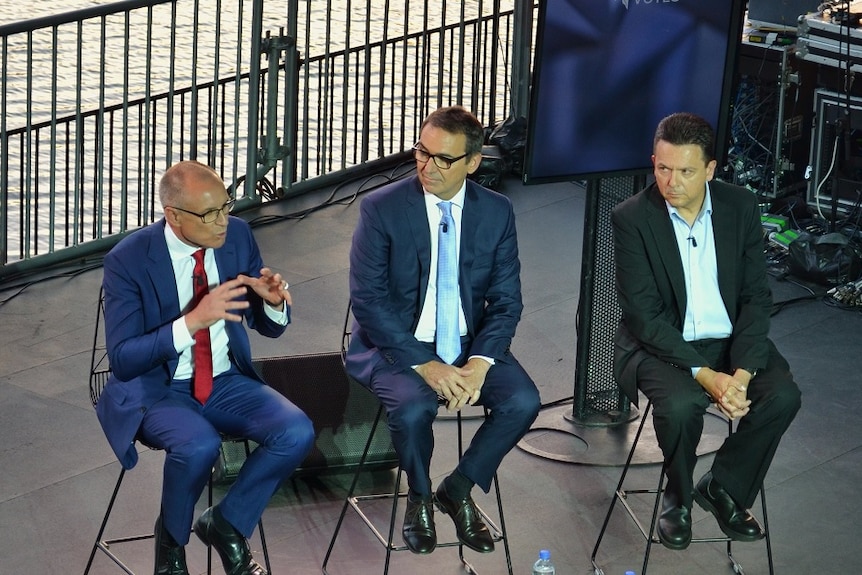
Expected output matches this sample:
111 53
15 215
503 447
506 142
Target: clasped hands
459 386
730 392
224 300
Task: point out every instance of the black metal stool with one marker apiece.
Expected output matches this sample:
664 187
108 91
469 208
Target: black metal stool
99 372
650 536
354 501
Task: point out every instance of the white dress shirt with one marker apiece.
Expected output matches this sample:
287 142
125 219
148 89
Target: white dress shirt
183 263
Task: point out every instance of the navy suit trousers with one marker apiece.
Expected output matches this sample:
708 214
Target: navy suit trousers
189 433
411 407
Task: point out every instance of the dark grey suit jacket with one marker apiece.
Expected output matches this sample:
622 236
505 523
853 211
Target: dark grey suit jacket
651 286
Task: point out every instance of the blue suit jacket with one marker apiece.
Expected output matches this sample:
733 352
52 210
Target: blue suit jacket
141 302
389 266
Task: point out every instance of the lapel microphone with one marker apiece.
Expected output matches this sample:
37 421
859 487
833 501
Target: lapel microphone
445 227
199 280
693 241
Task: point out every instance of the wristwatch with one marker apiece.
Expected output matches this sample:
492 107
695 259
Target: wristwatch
752 371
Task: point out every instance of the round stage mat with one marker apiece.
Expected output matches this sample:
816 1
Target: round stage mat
555 435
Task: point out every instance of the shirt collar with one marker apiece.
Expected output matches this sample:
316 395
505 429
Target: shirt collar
457 199
706 208
176 247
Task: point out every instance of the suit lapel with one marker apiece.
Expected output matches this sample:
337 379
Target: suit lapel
470 220
417 221
161 274
724 229
660 226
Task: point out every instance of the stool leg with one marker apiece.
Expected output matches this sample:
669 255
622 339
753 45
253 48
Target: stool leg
352 488
96 543
658 494
392 519
766 530
260 532
503 533
618 492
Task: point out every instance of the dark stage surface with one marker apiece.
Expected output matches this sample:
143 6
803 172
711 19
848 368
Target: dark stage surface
58 470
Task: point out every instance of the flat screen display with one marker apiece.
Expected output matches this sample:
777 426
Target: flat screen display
607 71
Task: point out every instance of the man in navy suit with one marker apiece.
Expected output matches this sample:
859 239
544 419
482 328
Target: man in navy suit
691 279
151 322
393 285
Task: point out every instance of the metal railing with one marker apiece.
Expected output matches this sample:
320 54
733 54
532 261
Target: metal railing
96 103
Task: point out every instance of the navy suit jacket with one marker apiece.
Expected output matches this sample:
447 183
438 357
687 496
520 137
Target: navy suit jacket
389 266
651 284
141 302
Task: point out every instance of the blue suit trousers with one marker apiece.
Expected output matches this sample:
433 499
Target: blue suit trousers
188 432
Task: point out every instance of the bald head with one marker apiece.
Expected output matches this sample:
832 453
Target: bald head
184 176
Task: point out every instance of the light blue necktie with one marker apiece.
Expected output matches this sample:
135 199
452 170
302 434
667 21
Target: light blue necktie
448 336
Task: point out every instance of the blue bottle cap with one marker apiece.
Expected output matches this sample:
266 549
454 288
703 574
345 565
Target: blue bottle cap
544 554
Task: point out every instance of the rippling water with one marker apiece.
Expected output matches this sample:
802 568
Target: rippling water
323 26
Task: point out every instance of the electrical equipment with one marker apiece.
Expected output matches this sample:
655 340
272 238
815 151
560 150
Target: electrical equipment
779 14
836 151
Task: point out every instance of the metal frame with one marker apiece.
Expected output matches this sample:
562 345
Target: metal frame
498 533
650 536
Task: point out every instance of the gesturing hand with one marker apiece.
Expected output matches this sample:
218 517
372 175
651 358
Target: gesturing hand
269 286
219 303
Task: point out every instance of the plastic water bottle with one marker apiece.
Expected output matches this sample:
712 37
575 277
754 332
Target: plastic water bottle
543 565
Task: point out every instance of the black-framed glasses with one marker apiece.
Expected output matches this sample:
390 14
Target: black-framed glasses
442 162
210 216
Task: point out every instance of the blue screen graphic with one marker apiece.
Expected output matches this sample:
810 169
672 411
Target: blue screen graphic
607 71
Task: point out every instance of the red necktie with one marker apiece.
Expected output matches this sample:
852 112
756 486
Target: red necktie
202 383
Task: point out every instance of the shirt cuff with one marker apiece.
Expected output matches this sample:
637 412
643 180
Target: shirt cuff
281 317
182 338
485 357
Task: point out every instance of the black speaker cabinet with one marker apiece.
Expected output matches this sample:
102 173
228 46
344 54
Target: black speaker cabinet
341 409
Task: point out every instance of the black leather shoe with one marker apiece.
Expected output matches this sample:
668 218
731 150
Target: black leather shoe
170 555
230 544
674 524
419 532
737 523
469 526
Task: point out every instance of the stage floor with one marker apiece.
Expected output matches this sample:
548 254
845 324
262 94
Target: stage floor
58 470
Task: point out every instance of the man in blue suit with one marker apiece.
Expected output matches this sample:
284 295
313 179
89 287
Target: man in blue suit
153 330
394 283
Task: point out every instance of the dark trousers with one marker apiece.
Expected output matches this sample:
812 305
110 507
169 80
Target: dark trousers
679 405
189 433
411 407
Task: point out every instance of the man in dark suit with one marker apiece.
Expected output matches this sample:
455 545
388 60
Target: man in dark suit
197 274
395 281
691 278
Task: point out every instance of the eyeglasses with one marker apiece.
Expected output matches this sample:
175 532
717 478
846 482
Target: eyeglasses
210 216
442 162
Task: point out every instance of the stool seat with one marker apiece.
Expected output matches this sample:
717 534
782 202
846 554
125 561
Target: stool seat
622 495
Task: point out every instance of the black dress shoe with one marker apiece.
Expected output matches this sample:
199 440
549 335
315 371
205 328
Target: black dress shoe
230 544
469 526
737 523
419 532
674 524
170 555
